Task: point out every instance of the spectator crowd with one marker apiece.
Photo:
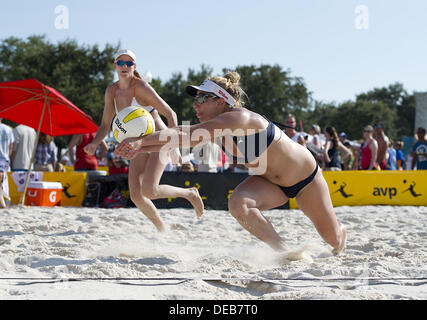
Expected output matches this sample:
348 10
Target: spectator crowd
333 152
374 151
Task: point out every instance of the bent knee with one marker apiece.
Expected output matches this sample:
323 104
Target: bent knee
238 205
135 195
149 191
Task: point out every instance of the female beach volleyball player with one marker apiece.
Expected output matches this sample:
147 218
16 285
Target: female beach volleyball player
285 168
145 170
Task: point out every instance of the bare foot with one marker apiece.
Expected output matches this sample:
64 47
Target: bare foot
342 246
196 202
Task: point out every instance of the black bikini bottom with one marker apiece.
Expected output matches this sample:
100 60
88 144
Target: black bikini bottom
291 192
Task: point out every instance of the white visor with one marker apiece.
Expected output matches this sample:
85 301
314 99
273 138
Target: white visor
126 52
212 87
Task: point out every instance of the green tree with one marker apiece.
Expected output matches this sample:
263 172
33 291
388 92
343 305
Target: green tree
174 93
352 117
81 73
273 92
323 114
401 104
270 91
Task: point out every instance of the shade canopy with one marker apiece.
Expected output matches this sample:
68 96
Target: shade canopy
23 102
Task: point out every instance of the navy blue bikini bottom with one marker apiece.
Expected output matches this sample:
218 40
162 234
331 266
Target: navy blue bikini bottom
291 192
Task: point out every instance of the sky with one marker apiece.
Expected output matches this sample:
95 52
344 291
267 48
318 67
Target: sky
340 48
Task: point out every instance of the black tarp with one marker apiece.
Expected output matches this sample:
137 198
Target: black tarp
214 188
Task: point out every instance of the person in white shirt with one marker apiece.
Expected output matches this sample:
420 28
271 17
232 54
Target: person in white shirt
23 147
315 132
206 157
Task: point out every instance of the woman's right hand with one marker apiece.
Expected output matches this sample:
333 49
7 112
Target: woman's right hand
128 148
90 149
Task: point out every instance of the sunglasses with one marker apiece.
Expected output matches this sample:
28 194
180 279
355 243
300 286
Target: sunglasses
121 63
202 98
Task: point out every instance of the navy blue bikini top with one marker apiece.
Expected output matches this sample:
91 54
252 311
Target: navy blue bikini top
251 146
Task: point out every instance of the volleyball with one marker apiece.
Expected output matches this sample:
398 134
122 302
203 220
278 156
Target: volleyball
132 122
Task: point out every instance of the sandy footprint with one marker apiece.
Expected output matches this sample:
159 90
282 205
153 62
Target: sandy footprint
177 226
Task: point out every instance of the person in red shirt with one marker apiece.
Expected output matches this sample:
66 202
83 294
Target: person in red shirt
84 161
368 150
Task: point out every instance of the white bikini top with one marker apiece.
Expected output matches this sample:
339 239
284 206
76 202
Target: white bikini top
134 102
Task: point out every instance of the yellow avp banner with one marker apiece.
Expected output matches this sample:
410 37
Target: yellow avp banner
358 188
73 185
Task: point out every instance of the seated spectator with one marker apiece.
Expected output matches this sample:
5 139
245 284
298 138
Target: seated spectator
187 167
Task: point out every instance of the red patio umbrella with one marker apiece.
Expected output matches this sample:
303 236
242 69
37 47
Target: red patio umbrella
43 108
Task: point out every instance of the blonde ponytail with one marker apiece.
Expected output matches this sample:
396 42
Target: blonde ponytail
137 75
230 82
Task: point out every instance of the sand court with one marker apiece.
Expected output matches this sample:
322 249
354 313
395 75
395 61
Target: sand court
93 253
